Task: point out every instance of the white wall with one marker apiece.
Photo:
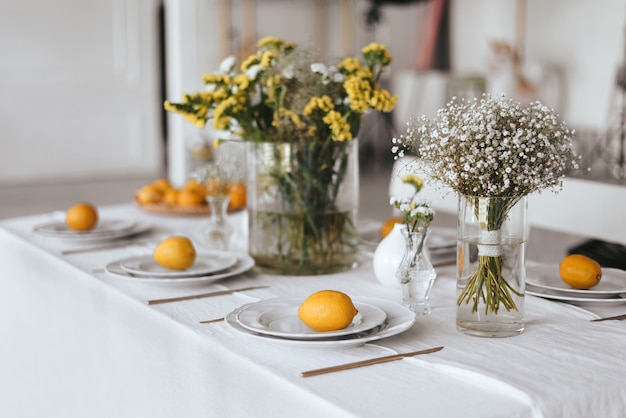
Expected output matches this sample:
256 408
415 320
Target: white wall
581 39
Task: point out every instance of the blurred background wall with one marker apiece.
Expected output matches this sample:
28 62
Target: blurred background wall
82 82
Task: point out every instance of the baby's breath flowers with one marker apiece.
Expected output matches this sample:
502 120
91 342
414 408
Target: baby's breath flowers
492 147
282 93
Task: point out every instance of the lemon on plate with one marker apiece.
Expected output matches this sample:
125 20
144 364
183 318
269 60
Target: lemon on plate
82 217
580 272
327 310
175 253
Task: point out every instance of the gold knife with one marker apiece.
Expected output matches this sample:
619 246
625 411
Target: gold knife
363 363
202 295
610 318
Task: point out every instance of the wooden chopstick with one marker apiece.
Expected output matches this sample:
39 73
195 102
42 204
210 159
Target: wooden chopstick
202 295
363 363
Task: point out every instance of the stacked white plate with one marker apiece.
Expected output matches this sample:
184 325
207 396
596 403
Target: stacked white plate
210 266
276 320
107 229
544 280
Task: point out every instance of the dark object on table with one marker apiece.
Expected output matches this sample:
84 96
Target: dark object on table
606 253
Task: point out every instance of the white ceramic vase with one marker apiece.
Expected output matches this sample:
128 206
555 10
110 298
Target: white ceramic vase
388 256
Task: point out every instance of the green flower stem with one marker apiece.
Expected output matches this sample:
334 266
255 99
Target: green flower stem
488 283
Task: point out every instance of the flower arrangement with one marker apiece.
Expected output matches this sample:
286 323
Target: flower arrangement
300 117
492 147
417 214
282 93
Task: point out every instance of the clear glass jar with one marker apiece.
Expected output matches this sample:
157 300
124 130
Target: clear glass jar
491 277
302 206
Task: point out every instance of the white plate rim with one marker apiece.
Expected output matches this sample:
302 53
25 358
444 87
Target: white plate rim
244 263
578 301
594 293
399 319
230 258
139 228
295 302
98 231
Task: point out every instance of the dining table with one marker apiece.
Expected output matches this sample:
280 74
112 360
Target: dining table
79 341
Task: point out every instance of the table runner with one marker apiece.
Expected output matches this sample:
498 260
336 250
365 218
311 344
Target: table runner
562 365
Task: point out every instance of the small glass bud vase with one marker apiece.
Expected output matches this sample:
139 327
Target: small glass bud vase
218 231
416 273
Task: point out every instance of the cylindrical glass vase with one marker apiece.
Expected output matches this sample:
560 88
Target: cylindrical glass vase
302 206
492 233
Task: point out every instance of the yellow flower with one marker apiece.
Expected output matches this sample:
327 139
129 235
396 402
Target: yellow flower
267 58
216 79
377 53
359 93
242 81
350 65
324 103
339 127
413 180
382 101
273 42
249 62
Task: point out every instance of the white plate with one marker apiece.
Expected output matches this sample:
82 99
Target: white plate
206 263
279 317
545 278
399 319
243 264
577 301
106 230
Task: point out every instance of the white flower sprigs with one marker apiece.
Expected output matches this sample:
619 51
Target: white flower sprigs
492 146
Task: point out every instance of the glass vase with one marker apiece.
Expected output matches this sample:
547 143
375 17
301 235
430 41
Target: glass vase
302 206
491 245
218 231
416 273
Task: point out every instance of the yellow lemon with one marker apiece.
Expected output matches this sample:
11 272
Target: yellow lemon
175 253
190 197
171 197
82 217
162 185
237 193
327 310
149 194
580 271
388 226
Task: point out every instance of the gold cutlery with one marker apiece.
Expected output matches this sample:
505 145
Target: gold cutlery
363 363
118 244
610 318
210 321
202 295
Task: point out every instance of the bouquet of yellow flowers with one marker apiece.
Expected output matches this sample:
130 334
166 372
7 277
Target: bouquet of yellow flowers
282 94
300 118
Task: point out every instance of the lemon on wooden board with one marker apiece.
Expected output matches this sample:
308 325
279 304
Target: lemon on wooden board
580 272
175 253
82 217
327 310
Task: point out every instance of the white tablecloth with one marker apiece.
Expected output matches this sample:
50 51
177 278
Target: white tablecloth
77 342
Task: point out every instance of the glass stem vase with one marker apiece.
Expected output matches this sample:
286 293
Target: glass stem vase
218 231
302 206
491 276
416 273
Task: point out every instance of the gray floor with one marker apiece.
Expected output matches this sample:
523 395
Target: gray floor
546 246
